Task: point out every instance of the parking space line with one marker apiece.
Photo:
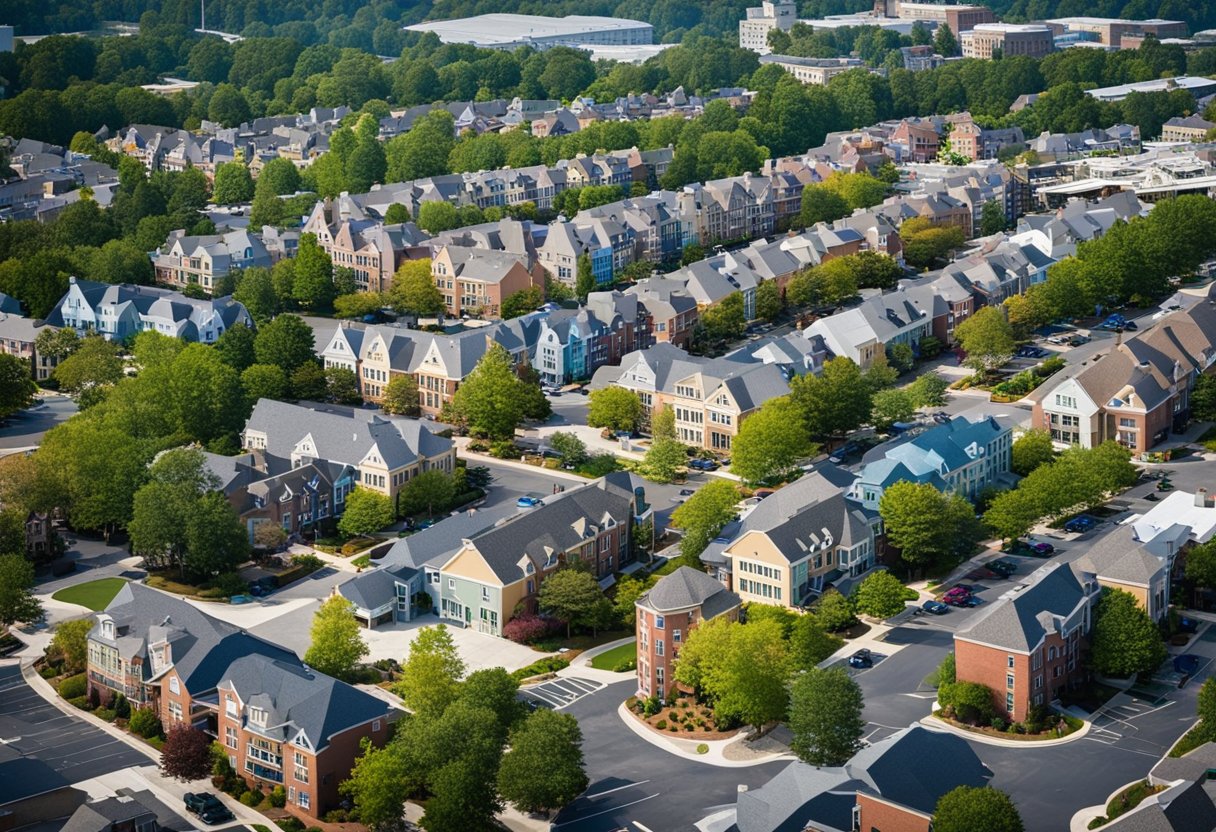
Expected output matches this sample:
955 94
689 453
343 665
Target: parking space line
606 811
617 789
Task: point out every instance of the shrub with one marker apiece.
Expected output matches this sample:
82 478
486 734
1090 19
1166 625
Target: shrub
550 664
48 672
145 723
998 724
337 816
504 449
651 706
661 725
972 702
122 707
278 797
81 702
229 584
309 562
105 713
291 825
251 798
74 686
673 728
94 698
702 748
527 629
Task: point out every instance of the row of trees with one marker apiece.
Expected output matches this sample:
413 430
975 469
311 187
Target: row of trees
467 746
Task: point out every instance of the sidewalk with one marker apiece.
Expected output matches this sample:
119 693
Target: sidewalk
581 666
170 791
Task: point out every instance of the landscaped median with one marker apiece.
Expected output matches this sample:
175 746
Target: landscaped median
1124 801
94 595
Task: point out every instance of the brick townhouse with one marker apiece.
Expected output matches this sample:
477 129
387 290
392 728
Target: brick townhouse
281 722
1028 645
665 615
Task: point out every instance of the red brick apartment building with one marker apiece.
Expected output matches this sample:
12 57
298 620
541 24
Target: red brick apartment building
665 614
1027 646
282 723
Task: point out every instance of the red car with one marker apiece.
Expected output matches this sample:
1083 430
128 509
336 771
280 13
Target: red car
957 597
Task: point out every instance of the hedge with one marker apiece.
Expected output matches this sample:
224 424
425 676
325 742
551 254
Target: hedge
74 686
550 664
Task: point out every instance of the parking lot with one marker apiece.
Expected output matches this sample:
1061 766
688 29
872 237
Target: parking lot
31 725
559 693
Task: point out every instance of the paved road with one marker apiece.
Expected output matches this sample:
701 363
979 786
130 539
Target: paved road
26 428
31 725
635 783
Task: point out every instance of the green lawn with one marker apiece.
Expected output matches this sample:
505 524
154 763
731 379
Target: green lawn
610 659
92 594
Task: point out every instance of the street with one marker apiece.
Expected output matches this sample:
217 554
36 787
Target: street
25 428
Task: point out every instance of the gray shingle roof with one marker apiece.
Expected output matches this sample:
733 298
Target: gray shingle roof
435 545
686 588
377 587
1019 620
1187 807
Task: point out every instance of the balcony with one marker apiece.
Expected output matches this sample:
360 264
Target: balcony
263 773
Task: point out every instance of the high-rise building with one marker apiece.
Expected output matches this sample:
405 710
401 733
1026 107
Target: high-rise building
760 20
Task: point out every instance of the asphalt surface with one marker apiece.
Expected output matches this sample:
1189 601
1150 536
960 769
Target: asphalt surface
31 725
26 428
635 785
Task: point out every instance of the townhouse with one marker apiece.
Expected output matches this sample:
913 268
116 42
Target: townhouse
497 574
865 332
474 282
573 343
437 362
121 311
19 336
665 314
796 543
892 784
1136 392
1191 128
1027 647
368 247
709 397
665 615
738 208
964 455
279 722
362 448
201 261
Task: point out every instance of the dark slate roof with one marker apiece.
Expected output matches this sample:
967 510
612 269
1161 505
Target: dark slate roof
203 647
438 543
100 815
25 777
376 588
298 699
1019 620
1186 807
563 522
686 588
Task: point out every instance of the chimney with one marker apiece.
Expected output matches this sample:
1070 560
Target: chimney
1201 498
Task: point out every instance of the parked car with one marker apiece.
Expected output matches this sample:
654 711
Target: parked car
208 808
263 587
941 417
971 588
1057 339
687 492
703 465
1080 524
935 607
1042 548
1003 567
1078 340
529 502
956 597
1186 664
973 601
862 658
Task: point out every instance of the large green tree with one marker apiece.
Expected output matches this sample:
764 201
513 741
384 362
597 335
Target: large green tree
743 669
929 528
825 716
987 338
1030 450
615 408
314 275
574 596
17 601
1126 641
882 595
17 388
431 675
366 512
968 808
491 401
833 402
286 341
337 640
703 515
550 742
770 442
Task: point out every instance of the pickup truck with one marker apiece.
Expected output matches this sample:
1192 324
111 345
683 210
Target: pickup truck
208 808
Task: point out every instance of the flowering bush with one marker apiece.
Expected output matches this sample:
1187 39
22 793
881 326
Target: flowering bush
528 628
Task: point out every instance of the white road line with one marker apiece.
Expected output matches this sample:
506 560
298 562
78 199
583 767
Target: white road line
641 827
606 811
617 789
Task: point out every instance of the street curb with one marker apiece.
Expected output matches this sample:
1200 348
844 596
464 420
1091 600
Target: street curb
43 688
934 724
712 758
520 466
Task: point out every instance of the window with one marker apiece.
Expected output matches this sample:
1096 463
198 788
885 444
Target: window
174 685
675 636
658 647
230 706
175 711
1009 701
304 800
658 622
485 593
230 737
1010 661
257 716
452 585
1009 680
375 725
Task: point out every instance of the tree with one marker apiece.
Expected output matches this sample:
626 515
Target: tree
929 390
1030 450
810 643
491 400
891 406
235 347
522 302
944 42
769 302
337 645
377 785
1205 706
574 596
821 204
624 601
1201 567
703 515
967 808
429 491
57 344
929 528
664 459
72 642
615 408
1126 640
342 385
233 184
17 388
430 676
742 668
164 505
414 289
882 595
435 217
215 538
286 341
571 448
264 381
401 396
992 219
17 601
549 742
186 754
770 442
825 716
313 286
725 320
255 291
987 339
366 512
91 370
835 402
228 106
584 283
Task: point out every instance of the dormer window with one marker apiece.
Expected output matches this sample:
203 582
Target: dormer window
257 716
107 629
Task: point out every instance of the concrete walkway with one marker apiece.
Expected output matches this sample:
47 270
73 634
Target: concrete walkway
581 666
714 756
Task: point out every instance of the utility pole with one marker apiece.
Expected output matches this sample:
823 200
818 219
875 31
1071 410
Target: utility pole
202 14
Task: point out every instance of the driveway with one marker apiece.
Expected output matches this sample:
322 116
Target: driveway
636 786
74 748
25 428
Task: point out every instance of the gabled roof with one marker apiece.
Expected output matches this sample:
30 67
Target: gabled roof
687 588
1020 619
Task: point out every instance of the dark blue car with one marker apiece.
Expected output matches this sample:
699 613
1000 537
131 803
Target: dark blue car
1186 664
